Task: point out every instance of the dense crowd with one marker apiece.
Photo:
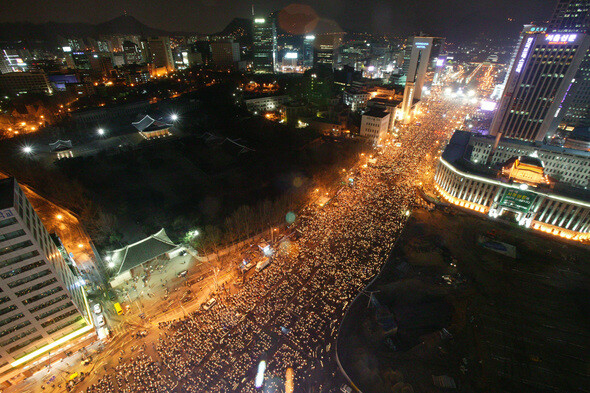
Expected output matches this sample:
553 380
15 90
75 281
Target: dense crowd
289 313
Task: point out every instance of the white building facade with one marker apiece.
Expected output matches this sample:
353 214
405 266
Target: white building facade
266 104
374 124
520 191
42 302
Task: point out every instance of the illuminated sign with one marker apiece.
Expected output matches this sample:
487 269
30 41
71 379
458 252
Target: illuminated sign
560 38
310 37
291 55
259 20
440 61
421 45
488 106
66 48
524 54
518 200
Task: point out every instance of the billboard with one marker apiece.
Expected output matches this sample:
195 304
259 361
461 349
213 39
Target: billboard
518 200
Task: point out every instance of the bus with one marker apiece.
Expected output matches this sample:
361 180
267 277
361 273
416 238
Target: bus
118 309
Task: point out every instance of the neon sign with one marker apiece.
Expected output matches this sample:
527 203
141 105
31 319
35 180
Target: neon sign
524 54
560 38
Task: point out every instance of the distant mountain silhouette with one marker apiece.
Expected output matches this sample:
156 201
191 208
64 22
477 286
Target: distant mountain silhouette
50 31
239 28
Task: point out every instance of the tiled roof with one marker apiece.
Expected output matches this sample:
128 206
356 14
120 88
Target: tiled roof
145 250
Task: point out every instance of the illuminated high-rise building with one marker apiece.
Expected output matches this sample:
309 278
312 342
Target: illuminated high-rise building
574 17
326 45
571 16
161 53
264 45
423 55
308 44
42 302
540 79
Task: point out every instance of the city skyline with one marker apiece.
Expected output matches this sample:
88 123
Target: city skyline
329 197
451 19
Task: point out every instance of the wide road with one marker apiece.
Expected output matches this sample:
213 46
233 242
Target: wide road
288 314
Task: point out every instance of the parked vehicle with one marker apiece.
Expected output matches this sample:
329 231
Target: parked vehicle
212 302
183 273
100 320
262 264
97 308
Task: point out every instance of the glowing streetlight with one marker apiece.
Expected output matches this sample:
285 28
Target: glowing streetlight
174 117
27 149
59 217
111 265
100 131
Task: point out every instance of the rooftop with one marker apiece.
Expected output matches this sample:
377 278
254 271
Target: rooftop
147 123
537 145
145 250
375 112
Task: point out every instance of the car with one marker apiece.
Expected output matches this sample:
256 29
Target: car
100 320
182 273
97 308
209 304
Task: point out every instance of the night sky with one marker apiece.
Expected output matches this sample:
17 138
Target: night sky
451 18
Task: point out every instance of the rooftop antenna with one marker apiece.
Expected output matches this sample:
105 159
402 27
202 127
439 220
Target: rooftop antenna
252 9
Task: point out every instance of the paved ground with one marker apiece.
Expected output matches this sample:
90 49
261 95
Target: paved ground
516 325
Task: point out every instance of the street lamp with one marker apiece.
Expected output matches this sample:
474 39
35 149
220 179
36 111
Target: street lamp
27 149
100 131
174 117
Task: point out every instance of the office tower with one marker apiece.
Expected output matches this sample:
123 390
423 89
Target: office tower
540 78
570 16
161 53
225 53
326 46
308 42
574 17
529 28
42 303
131 52
264 45
425 51
25 82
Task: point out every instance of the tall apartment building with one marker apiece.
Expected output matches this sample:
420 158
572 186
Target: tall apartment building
423 56
374 124
42 302
264 45
161 53
539 81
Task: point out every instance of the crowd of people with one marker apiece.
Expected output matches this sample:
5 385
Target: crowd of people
289 313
